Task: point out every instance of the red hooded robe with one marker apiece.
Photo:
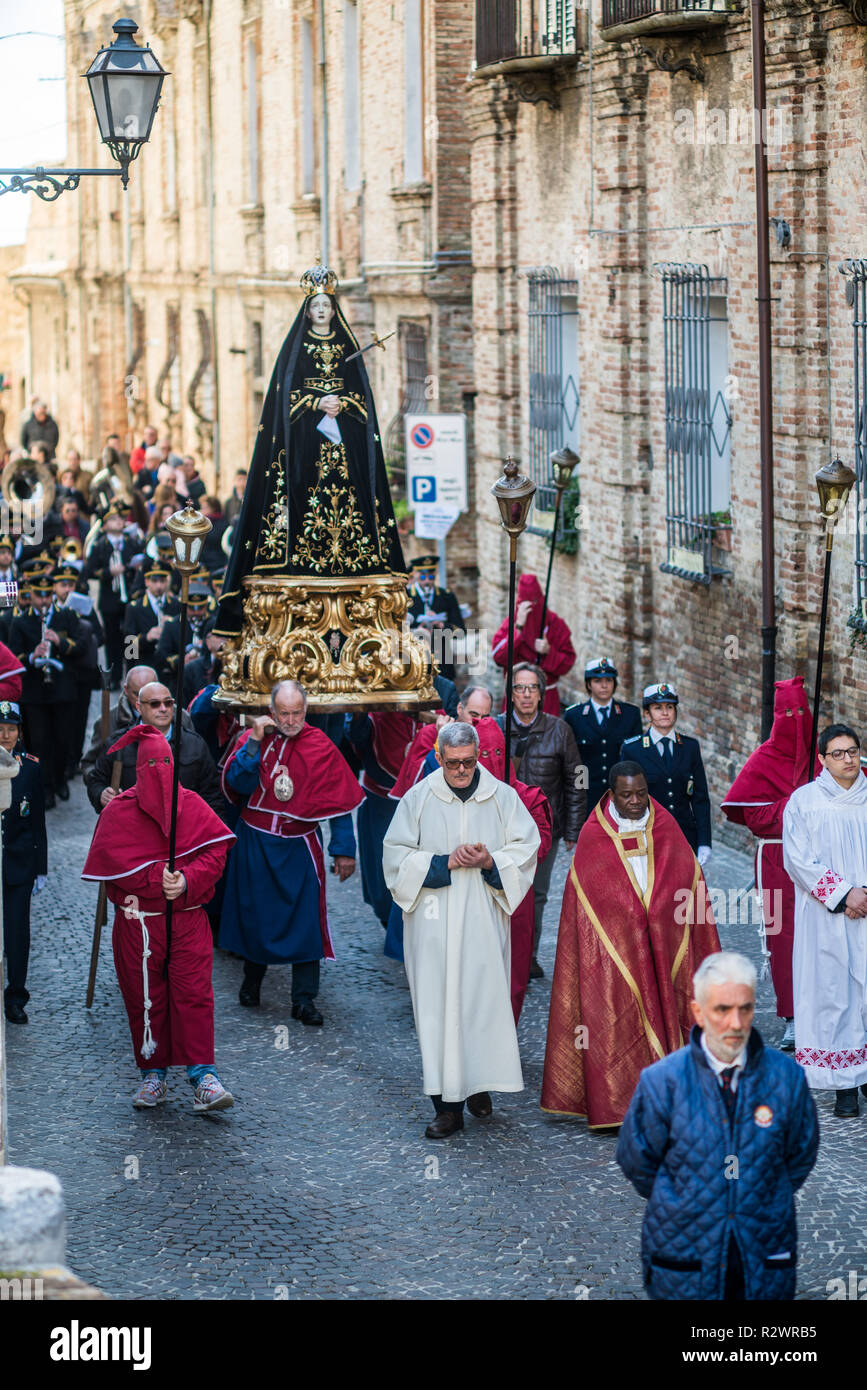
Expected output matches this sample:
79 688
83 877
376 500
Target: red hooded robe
557 661
171 1020
757 799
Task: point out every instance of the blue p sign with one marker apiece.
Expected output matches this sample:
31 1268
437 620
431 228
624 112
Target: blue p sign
424 489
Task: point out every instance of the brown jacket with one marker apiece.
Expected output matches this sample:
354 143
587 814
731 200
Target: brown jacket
546 755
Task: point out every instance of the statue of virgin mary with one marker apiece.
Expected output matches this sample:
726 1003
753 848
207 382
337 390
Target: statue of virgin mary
317 501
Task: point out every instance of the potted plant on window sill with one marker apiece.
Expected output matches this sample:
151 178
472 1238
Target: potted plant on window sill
721 528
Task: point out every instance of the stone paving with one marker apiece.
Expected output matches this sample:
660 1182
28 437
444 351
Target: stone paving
320 1183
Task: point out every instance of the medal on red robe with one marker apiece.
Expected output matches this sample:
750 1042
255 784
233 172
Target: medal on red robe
283 784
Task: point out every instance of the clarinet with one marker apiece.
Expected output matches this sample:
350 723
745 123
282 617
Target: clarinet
47 673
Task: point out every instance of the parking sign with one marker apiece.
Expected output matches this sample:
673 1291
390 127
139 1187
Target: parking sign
436 461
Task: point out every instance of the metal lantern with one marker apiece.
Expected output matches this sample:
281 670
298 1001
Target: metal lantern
188 529
834 482
563 465
514 493
125 81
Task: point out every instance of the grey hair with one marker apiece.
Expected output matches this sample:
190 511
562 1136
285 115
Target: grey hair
295 686
723 968
472 690
457 736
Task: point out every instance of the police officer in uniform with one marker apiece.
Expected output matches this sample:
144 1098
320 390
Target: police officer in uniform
600 725
672 764
25 860
435 611
147 613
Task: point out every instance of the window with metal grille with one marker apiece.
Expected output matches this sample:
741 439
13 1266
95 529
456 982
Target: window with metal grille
624 11
856 297
697 420
553 378
413 339
509 29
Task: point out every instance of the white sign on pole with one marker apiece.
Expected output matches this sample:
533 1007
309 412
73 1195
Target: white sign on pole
436 463
434 523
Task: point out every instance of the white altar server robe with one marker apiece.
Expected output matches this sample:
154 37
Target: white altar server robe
825 854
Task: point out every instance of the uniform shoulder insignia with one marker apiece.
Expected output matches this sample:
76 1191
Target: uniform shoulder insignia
632 739
31 758
645 742
585 709
617 710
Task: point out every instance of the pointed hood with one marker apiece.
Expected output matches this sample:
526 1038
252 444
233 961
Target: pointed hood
530 590
153 772
778 765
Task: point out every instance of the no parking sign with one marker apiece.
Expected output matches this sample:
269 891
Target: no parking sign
436 461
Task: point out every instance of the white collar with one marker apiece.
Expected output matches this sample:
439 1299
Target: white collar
596 705
656 736
627 827
718 1066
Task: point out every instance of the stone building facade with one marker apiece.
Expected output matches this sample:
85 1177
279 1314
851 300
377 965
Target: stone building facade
287 129
614 259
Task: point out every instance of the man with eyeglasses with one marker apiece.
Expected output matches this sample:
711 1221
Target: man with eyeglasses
545 755
197 771
459 857
825 854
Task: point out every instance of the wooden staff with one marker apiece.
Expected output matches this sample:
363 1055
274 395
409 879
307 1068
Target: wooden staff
102 899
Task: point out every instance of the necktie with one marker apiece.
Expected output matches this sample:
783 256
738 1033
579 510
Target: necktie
727 1092
603 716
669 750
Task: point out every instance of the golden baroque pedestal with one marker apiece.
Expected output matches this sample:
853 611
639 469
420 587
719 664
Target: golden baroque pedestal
344 639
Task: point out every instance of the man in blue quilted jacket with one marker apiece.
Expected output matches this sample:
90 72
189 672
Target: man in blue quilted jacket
719 1136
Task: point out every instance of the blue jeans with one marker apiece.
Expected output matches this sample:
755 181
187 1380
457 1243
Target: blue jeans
194 1074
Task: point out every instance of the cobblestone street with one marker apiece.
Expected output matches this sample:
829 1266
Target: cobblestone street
320 1184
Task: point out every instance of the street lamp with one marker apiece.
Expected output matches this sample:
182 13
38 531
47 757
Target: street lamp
188 529
834 482
563 465
514 493
125 82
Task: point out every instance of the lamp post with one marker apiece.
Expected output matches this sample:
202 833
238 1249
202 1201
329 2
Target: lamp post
188 529
834 482
514 493
563 465
125 82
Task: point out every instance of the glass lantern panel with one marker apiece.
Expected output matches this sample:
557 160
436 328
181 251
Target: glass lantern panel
195 548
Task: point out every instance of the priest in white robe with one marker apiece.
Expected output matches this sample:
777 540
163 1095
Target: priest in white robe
825 855
458 858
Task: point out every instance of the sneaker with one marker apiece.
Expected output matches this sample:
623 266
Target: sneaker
151 1092
788 1043
536 971
211 1094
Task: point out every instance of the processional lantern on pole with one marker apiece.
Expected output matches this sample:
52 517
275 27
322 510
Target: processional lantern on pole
834 482
563 465
514 493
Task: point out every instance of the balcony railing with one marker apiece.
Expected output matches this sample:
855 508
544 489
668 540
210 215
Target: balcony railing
516 34
665 14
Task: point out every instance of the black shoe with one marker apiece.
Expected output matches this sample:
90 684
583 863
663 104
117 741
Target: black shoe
847 1104
63 791
248 995
50 801
536 971
480 1105
15 1013
309 1014
447 1122
864 1090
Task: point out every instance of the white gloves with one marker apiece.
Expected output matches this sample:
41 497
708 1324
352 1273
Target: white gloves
703 854
40 883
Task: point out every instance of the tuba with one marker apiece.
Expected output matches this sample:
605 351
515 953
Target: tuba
28 487
114 482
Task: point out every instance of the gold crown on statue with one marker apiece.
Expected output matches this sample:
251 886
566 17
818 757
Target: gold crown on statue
319 279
